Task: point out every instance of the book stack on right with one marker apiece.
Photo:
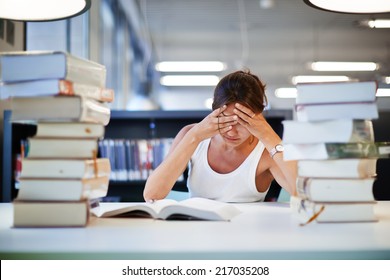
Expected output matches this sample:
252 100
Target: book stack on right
333 142
61 174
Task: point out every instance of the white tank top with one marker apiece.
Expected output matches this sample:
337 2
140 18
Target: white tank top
236 186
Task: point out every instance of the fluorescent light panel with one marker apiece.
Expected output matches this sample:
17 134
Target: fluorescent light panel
351 6
379 23
383 92
343 66
190 66
286 92
189 80
42 10
318 79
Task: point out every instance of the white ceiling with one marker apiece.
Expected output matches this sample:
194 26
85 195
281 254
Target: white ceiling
275 43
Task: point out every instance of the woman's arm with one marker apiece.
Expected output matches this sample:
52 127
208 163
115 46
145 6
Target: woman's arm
162 179
284 172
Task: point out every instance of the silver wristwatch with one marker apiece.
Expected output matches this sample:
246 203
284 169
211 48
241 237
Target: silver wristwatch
277 149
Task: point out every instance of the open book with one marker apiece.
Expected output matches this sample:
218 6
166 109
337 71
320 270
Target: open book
167 209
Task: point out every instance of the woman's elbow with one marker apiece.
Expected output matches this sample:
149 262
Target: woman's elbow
149 193
152 191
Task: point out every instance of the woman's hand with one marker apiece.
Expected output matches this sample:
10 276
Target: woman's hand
256 124
215 123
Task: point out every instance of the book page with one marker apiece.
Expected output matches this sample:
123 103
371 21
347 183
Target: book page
200 209
131 209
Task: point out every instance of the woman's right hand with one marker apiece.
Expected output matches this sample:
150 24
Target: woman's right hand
214 124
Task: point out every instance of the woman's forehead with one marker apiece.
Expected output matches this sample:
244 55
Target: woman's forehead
229 109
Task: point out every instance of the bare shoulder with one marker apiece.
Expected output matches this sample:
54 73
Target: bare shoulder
181 134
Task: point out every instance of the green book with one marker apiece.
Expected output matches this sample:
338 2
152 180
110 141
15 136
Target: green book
337 150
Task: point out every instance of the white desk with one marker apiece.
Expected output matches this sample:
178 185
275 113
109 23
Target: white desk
263 231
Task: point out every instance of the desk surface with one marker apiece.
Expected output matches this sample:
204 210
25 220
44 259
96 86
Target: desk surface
263 231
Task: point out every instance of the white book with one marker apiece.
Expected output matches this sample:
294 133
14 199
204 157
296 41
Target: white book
37 65
335 190
69 130
65 168
57 189
59 109
322 151
53 87
336 131
322 112
52 148
306 211
336 92
51 213
337 168
189 209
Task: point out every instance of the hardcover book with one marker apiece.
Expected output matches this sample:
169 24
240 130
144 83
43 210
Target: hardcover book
336 92
322 151
336 111
86 148
57 189
59 109
338 168
65 168
336 131
306 211
50 213
69 130
335 190
53 87
37 65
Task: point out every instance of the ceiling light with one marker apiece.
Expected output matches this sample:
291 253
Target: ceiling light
343 66
286 92
374 23
190 66
350 6
42 10
379 23
383 92
318 79
266 4
189 80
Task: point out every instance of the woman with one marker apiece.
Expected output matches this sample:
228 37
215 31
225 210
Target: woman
233 154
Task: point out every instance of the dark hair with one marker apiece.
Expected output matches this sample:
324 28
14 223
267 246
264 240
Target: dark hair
240 87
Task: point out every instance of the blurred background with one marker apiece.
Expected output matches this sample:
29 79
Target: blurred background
275 39
281 41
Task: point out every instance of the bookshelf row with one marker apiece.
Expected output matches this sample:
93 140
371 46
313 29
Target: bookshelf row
134 159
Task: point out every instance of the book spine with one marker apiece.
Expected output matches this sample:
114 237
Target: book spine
94 111
85 71
94 92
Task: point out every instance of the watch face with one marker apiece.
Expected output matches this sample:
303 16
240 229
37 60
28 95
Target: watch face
279 148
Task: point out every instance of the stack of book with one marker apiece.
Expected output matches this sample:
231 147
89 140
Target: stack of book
65 96
333 142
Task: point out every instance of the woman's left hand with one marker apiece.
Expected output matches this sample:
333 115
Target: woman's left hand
255 123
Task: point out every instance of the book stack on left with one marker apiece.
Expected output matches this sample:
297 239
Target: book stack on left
61 174
333 142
